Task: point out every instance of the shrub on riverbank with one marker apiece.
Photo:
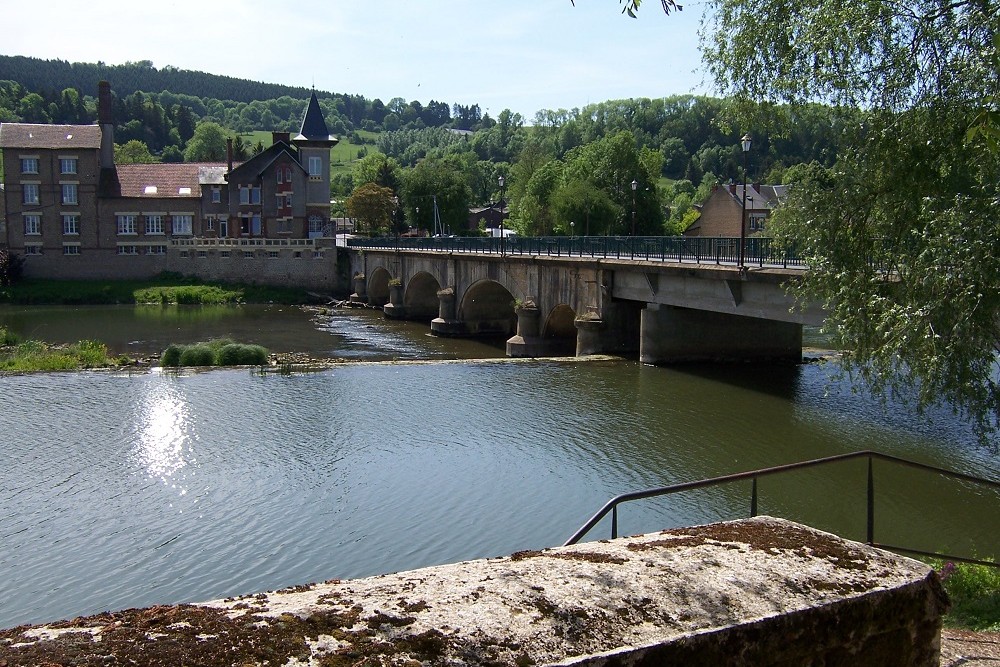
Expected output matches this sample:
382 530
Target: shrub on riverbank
33 355
167 288
219 352
975 596
8 337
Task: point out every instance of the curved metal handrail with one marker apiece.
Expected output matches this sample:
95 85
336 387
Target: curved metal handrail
612 505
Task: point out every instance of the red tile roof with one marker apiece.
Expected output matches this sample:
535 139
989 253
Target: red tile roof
159 180
28 135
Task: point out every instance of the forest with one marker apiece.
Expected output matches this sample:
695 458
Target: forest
560 166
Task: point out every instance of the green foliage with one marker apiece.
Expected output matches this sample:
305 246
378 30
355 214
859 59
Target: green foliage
33 355
901 231
8 337
188 295
373 207
171 356
975 596
11 268
207 145
217 352
133 152
197 355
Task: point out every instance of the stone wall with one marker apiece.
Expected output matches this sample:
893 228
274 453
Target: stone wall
756 592
308 267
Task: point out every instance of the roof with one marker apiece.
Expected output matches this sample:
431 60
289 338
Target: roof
160 181
30 135
259 163
760 197
313 126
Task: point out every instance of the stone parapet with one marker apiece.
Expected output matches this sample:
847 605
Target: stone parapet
754 592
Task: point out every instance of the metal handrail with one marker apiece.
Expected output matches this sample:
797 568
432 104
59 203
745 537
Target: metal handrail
612 505
761 251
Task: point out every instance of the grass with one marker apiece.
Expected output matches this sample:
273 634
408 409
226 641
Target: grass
217 352
33 355
165 289
975 596
342 156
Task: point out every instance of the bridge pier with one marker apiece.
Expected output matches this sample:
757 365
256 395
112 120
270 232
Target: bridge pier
673 335
445 324
527 342
395 310
360 294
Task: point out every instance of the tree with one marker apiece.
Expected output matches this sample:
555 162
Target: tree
373 206
901 231
133 152
207 145
439 180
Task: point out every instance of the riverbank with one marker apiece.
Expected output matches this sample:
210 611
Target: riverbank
167 288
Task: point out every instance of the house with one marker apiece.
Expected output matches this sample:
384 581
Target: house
72 212
722 211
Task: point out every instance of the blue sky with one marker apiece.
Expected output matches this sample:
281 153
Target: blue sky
524 55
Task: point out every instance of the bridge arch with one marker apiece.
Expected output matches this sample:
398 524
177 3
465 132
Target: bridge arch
420 297
559 330
378 286
487 308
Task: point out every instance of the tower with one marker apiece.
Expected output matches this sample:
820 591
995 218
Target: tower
314 142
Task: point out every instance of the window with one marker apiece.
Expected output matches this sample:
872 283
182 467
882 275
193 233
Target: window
272 254
32 225
248 254
284 226
210 224
225 253
288 201
255 224
317 254
71 224
182 223
126 225
32 250
315 225
280 201
30 193
216 195
315 167
128 250
156 250
281 175
203 254
71 249
67 165
288 174
254 195
69 193
244 195
757 223
154 223
29 165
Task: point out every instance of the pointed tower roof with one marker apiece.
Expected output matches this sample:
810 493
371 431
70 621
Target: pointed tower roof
313 126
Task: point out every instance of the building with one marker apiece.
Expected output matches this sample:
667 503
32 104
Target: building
73 213
722 212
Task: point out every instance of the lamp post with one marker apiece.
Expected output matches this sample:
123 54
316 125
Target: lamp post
572 235
503 240
743 215
634 186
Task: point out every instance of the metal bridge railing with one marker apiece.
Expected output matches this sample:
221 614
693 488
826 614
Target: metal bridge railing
612 505
759 251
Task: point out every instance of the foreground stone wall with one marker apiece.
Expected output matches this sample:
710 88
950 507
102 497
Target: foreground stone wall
756 592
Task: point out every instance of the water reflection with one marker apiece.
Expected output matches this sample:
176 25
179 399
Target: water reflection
162 445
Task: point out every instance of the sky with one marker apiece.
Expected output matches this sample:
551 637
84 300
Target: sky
522 55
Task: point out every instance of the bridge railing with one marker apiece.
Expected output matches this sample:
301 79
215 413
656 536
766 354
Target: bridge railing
611 507
759 251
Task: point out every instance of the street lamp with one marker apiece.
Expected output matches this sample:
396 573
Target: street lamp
634 186
743 216
503 246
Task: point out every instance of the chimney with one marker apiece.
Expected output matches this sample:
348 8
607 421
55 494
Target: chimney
107 124
732 189
285 137
229 153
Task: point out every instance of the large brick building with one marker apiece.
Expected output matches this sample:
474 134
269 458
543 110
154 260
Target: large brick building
70 209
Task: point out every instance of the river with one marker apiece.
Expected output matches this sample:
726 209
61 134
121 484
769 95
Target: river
131 489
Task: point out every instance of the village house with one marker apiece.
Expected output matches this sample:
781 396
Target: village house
72 212
722 212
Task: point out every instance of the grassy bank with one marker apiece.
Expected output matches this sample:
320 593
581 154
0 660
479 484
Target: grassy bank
975 596
22 356
164 289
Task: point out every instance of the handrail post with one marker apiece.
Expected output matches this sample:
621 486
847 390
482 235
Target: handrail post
753 498
871 503
614 522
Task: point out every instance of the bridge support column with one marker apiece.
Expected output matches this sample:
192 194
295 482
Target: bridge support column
445 323
360 294
395 310
527 342
675 335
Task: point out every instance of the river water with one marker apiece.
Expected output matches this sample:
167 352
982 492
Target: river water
131 489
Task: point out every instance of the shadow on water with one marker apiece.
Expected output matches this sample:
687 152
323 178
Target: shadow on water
777 380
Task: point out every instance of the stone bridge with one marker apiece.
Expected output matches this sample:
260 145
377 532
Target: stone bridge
666 312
